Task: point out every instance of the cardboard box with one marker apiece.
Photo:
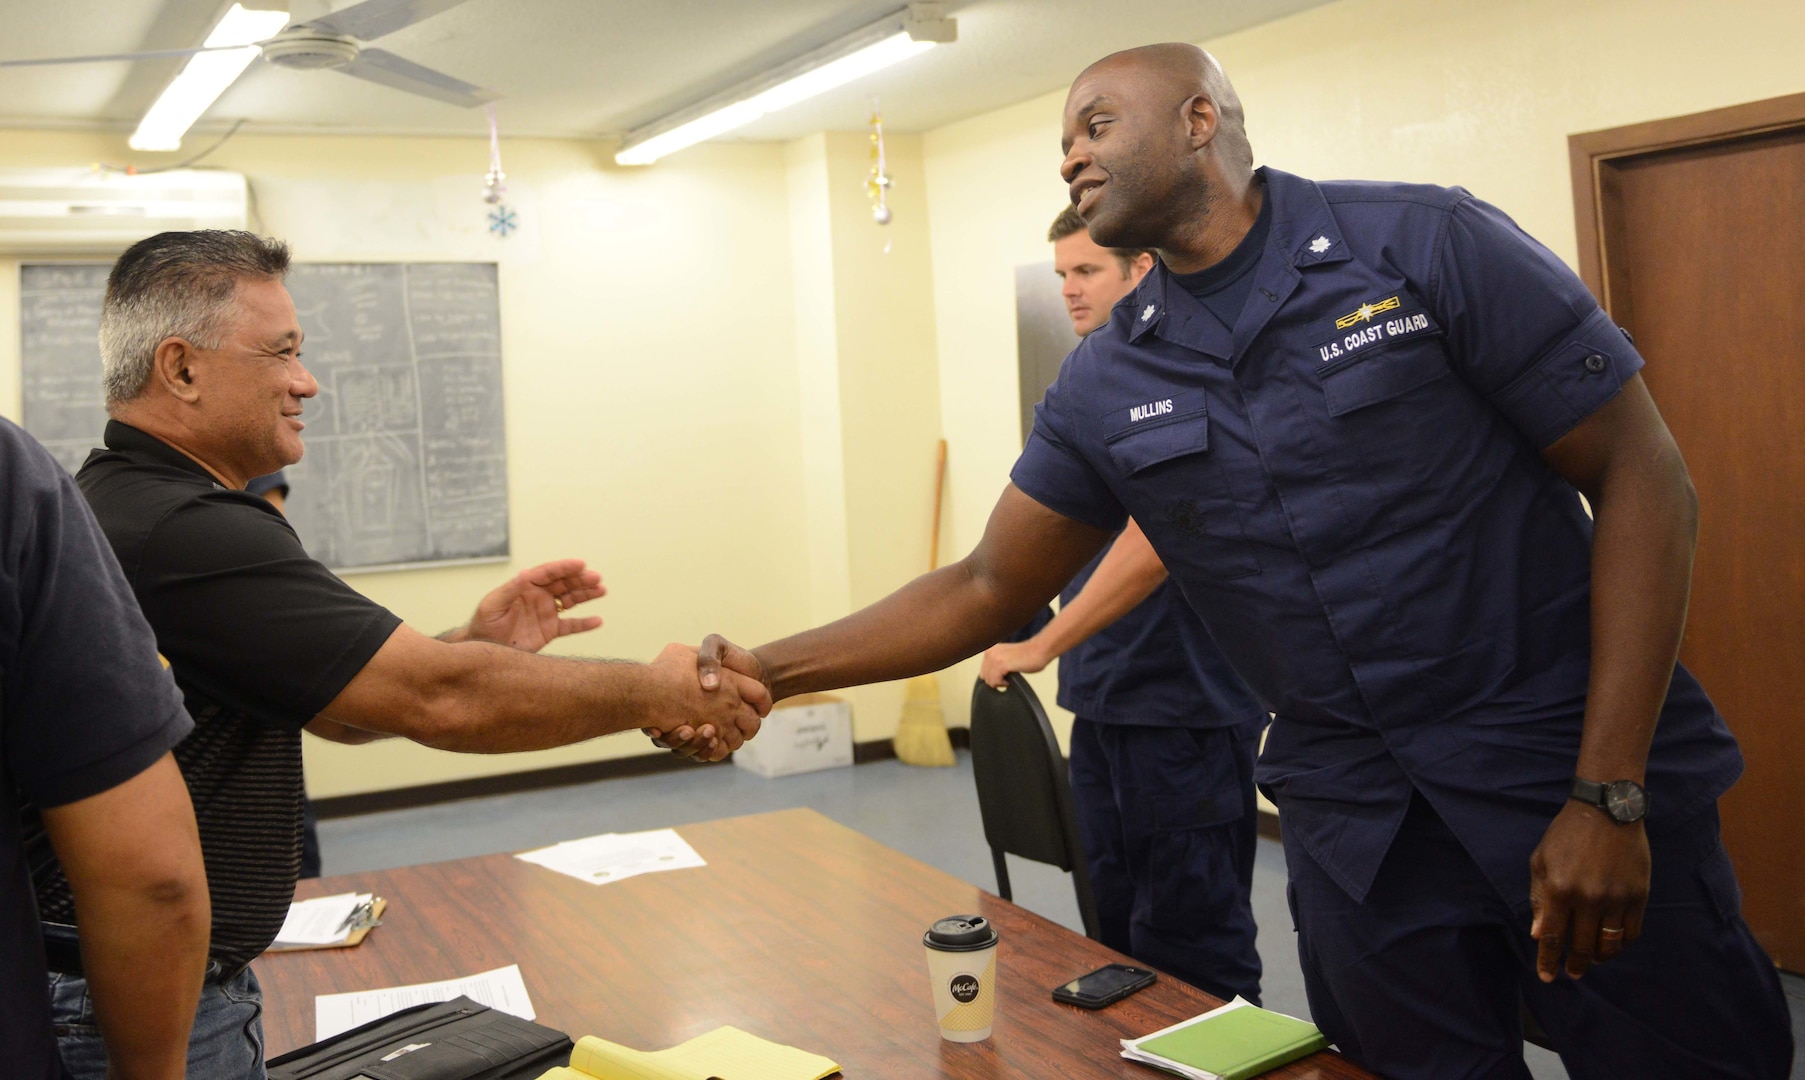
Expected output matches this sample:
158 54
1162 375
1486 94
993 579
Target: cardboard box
802 734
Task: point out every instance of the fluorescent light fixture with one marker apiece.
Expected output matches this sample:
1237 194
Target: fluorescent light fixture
909 32
205 77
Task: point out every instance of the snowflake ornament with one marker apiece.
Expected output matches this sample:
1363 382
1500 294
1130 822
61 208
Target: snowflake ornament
503 220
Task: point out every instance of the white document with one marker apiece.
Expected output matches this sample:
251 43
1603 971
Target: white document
617 856
325 920
501 989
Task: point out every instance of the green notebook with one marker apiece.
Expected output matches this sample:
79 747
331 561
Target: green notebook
1235 1042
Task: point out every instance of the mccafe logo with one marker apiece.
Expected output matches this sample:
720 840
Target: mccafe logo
964 989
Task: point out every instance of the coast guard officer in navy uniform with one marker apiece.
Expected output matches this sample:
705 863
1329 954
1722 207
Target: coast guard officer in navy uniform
1164 733
1495 784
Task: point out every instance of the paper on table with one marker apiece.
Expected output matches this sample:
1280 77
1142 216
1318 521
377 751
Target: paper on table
725 1051
501 989
617 856
325 920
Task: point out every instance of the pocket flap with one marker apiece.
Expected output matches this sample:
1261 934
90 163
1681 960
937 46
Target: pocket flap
1381 375
1184 429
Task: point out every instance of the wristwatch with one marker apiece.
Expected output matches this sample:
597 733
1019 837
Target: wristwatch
1625 800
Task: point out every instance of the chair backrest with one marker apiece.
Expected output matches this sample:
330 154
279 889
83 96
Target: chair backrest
1024 796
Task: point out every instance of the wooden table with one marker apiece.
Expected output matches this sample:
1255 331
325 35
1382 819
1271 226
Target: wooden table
799 930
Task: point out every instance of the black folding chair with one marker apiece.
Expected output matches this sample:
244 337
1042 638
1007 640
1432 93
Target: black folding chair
1023 793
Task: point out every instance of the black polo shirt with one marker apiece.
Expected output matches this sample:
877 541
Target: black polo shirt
260 638
84 705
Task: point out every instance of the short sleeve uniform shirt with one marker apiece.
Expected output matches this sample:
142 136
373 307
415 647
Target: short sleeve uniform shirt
1156 666
85 705
1348 488
260 638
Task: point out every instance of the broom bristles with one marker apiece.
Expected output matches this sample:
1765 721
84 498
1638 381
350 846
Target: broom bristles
921 737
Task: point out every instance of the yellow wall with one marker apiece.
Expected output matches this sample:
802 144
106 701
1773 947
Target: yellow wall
651 382
721 390
1480 93
871 415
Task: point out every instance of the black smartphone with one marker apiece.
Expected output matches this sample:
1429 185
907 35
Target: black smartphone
1104 986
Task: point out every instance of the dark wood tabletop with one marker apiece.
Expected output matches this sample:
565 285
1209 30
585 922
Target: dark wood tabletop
798 930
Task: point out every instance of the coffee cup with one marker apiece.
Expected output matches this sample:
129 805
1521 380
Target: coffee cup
962 966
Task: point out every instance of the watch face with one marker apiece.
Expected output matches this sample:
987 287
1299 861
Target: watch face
1626 801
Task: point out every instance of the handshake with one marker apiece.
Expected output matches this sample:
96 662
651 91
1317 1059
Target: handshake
717 696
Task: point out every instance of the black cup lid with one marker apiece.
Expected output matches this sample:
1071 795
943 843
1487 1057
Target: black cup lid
960 933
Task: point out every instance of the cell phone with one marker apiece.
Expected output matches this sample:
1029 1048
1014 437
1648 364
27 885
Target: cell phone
1104 986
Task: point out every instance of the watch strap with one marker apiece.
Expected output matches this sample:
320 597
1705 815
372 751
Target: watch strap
1590 792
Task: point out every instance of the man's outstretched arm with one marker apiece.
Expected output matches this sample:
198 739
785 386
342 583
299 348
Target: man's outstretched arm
132 855
1027 554
527 612
477 697
1125 577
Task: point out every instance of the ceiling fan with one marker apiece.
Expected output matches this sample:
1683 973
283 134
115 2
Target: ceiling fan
334 41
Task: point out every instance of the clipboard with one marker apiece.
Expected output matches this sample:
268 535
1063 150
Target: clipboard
377 906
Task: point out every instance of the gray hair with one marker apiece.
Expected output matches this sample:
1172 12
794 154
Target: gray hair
176 284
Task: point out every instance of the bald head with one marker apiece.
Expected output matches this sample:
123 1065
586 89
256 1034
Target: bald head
1154 136
1176 71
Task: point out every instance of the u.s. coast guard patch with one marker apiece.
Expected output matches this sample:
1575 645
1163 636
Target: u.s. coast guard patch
1373 323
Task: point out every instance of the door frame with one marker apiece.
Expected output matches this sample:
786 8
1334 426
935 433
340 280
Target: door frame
1594 156
1598 160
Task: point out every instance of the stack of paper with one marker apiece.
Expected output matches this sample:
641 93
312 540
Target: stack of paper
1237 1041
726 1053
502 990
617 856
325 920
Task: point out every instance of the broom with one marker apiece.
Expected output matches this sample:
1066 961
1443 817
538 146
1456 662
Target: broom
921 737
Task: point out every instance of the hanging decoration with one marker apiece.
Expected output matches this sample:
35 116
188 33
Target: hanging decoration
877 181
502 219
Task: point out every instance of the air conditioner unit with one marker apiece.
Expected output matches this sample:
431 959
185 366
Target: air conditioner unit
83 211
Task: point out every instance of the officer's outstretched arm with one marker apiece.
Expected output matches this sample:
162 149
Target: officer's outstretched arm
1027 554
1589 875
1125 577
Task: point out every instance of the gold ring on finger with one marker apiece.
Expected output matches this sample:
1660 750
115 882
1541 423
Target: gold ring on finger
557 603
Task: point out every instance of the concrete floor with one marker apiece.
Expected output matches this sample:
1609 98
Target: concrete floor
930 814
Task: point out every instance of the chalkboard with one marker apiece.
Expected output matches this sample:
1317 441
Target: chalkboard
406 448
59 320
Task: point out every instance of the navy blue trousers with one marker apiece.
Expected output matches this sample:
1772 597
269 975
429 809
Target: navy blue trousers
1426 978
1169 825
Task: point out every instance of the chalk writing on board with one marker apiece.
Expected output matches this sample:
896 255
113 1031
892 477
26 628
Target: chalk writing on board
406 445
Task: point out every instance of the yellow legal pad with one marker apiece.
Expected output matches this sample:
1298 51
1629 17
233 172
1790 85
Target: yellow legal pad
726 1053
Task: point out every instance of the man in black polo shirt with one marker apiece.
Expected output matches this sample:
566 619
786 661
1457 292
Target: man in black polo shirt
201 351
87 717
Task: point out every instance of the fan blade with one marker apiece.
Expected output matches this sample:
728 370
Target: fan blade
381 66
373 18
157 54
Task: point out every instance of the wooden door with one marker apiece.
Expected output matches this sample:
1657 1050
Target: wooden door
1694 237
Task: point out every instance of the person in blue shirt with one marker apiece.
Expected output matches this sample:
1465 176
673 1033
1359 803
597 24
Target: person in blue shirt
1362 462
1164 734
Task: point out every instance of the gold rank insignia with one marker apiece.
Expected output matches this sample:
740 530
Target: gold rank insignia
1365 312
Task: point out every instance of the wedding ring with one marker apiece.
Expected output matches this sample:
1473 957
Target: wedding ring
1610 931
557 603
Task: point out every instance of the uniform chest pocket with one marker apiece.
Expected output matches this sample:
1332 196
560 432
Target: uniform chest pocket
1368 378
1165 461
1152 441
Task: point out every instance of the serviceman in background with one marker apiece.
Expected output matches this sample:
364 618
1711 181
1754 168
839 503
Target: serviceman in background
1165 733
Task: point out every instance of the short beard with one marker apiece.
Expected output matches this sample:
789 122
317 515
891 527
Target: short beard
1182 208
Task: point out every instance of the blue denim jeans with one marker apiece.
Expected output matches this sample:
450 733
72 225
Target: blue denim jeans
227 1043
